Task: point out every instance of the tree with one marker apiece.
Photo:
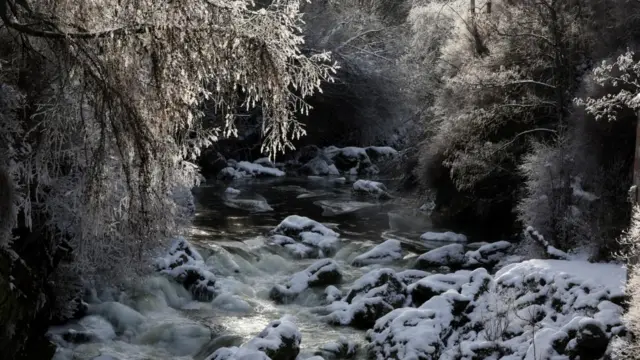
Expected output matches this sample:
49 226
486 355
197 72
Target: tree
100 115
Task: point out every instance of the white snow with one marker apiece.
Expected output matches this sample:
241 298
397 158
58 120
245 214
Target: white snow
301 223
254 169
231 191
451 254
370 187
384 253
447 236
611 277
326 242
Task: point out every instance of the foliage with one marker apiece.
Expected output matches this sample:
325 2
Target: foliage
102 108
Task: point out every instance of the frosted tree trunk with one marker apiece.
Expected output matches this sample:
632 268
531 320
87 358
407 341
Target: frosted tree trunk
636 165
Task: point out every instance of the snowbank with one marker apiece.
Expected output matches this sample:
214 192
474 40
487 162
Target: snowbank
386 252
555 309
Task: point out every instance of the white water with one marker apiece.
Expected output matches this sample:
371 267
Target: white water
157 319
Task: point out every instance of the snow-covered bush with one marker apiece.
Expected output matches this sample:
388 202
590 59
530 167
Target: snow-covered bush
629 347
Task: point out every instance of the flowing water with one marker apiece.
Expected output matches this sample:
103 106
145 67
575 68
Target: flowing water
157 319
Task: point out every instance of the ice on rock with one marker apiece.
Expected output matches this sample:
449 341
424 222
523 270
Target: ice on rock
384 253
92 328
120 316
372 188
232 303
447 236
184 264
452 256
321 273
177 339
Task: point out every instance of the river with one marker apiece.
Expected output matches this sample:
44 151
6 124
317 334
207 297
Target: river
156 319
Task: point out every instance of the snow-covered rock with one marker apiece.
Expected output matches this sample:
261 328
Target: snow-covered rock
309 233
341 349
265 161
231 191
370 297
377 153
410 276
293 225
455 257
319 166
255 205
321 273
452 256
333 207
230 173
447 236
332 294
536 309
185 265
280 340
488 255
258 170
371 188
384 253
